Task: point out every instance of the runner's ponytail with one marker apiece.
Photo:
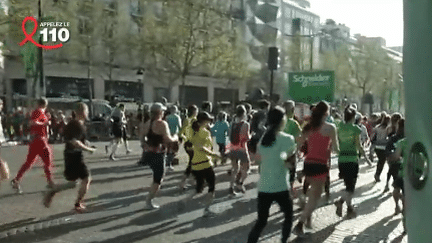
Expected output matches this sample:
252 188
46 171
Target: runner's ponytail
275 120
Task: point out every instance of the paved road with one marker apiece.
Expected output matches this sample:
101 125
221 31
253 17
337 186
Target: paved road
116 199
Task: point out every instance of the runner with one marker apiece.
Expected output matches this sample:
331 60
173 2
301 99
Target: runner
38 146
220 131
398 191
157 134
320 136
276 153
364 137
119 131
350 146
238 149
394 164
380 140
174 124
185 134
292 127
202 161
75 168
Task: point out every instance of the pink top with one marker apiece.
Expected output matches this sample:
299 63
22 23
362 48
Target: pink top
318 148
244 138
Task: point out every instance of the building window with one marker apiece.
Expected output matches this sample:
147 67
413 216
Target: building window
84 26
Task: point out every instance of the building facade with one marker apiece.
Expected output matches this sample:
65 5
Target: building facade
96 71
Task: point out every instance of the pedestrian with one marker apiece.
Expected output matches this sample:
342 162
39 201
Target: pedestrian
350 149
380 139
364 137
157 137
220 130
75 167
394 164
399 156
276 153
174 124
238 150
38 146
119 131
185 134
202 161
293 128
320 137
4 167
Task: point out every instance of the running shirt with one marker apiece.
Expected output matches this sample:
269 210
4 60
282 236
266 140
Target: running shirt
220 131
174 123
73 130
39 115
273 172
318 148
402 144
381 137
201 160
186 129
347 133
292 127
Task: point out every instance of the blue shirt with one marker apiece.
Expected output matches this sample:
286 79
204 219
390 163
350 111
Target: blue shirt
274 176
174 123
220 131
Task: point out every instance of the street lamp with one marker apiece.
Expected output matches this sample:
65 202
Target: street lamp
140 73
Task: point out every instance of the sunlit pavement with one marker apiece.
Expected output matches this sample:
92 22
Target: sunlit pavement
116 199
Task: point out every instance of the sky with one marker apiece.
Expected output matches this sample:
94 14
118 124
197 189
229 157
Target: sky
370 18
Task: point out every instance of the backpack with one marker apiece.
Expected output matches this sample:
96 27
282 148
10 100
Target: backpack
235 132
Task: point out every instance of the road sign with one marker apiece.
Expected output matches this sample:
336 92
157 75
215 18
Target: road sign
311 87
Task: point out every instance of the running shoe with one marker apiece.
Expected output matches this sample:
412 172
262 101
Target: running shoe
232 191
16 186
397 210
351 213
386 188
298 229
112 158
47 200
128 151
208 213
170 169
241 188
150 205
339 205
79 208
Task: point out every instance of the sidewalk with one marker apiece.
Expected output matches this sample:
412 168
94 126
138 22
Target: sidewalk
116 214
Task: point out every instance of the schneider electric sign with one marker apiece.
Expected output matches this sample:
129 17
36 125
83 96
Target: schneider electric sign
311 87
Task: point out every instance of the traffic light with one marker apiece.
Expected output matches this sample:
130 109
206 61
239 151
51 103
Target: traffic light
273 58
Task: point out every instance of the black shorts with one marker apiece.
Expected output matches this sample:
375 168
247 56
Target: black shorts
394 170
118 130
315 169
156 161
207 175
74 166
349 173
399 183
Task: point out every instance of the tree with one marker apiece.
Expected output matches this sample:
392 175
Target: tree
193 35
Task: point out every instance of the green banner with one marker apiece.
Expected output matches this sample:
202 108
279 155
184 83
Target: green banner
311 87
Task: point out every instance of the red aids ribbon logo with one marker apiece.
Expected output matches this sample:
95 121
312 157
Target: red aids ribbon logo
30 37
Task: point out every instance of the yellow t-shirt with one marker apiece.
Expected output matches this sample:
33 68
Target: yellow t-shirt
201 160
186 129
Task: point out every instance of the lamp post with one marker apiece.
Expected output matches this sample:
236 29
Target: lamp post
40 56
140 73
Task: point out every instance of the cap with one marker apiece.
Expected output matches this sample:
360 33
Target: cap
204 116
157 107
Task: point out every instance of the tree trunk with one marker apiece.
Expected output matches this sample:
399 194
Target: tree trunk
183 93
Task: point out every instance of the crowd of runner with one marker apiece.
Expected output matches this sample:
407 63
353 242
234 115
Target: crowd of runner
265 134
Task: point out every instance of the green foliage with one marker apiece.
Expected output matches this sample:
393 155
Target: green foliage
193 35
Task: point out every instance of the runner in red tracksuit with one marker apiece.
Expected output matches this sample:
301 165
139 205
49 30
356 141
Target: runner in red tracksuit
39 122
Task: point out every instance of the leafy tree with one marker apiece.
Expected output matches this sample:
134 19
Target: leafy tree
193 36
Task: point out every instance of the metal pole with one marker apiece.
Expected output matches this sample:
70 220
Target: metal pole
271 84
311 52
88 80
40 56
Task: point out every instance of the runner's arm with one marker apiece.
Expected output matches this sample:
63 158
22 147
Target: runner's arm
334 138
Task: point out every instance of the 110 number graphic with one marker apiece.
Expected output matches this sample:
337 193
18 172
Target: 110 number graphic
62 34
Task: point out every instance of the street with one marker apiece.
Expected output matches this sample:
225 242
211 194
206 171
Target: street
116 199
